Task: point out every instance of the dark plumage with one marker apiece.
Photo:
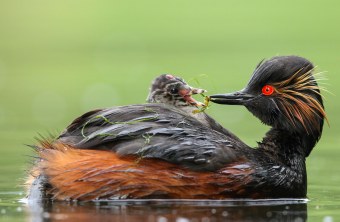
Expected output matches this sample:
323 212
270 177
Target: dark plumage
159 151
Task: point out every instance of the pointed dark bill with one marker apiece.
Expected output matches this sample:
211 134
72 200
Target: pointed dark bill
235 98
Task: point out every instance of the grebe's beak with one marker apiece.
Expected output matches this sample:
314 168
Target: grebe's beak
235 98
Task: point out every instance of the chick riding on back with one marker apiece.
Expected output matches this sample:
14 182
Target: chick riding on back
172 90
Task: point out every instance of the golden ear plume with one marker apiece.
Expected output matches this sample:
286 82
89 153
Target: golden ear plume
297 103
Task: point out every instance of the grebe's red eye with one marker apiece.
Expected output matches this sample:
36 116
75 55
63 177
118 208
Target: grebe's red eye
267 90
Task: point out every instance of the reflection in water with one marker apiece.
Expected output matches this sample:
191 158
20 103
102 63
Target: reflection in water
170 210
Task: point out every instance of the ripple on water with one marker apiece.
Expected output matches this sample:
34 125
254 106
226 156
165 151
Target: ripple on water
10 205
163 210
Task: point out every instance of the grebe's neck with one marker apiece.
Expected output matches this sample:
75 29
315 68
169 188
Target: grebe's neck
284 160
288 145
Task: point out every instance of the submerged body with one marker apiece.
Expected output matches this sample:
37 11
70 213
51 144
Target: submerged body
159 151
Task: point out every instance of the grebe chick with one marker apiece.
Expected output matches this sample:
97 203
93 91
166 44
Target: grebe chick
172 90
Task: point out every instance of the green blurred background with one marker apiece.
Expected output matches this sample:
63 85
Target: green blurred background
59 59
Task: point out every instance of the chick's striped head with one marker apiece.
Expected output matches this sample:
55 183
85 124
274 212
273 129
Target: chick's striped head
172 90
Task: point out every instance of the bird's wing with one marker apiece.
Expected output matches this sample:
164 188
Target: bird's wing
213 124
153 131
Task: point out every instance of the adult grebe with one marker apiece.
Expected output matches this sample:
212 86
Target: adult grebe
159 151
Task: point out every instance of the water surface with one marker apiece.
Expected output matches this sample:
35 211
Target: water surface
59 59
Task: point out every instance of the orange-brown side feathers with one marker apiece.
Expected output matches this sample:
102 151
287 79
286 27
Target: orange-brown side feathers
93 174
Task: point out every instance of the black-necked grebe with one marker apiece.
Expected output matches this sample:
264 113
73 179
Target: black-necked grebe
159 151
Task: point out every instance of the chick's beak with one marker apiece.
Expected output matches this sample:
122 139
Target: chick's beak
187 92
235 98
197 91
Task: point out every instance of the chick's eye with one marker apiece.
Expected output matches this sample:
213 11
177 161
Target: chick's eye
173 90
267 90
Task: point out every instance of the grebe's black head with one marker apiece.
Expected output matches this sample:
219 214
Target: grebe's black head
173 90
284 94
